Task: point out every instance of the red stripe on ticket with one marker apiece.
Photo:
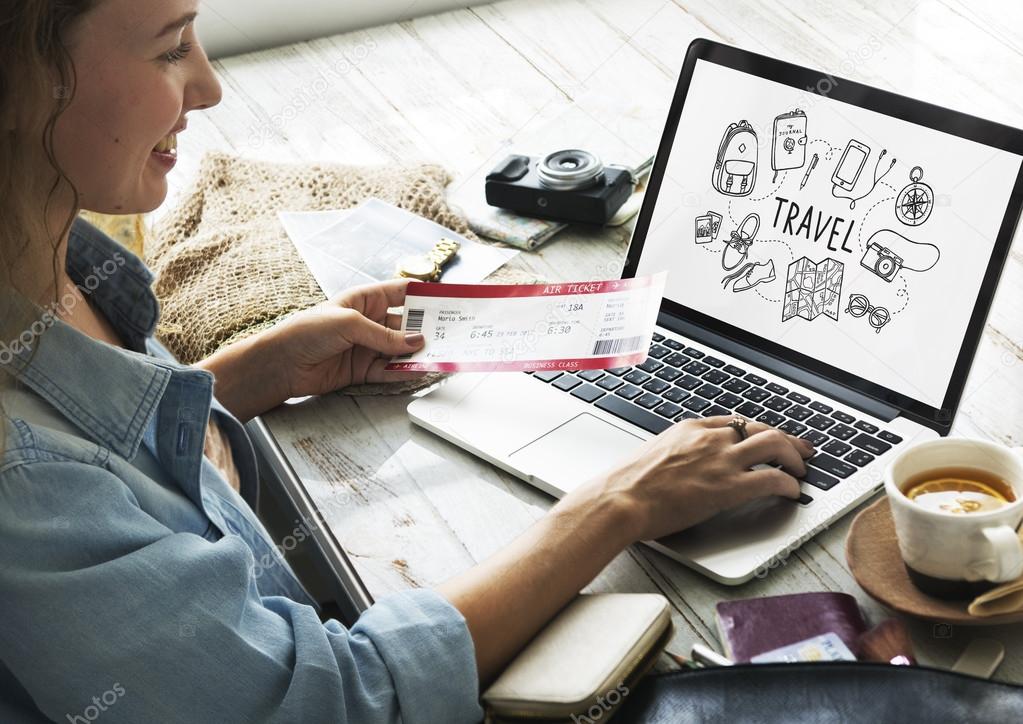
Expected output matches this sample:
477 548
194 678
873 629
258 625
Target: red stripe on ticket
497 291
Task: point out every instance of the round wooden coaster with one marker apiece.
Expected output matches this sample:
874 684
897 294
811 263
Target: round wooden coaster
872 552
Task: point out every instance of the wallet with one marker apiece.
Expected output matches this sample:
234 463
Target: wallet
587 659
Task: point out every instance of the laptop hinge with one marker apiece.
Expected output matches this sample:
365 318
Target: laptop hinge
776 366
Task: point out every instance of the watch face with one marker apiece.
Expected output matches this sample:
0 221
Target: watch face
416 267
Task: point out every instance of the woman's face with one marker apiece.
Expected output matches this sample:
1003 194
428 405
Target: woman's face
140 70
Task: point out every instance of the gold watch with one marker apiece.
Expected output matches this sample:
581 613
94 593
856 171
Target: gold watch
429 267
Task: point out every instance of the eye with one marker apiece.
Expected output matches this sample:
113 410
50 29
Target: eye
178 54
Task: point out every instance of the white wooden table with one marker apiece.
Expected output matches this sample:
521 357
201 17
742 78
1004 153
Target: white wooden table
459 89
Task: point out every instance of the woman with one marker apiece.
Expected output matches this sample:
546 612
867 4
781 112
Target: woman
127 540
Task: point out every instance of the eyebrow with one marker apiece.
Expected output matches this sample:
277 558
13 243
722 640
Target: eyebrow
177 24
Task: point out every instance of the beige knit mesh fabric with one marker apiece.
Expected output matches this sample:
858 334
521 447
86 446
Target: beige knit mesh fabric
224 266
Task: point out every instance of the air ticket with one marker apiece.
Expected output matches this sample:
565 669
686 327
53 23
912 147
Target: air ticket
510 327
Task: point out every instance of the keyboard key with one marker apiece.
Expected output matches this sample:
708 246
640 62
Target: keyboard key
668 409
715 411
715 377
696 404
687 415
843 417
588 392
729 400
736 385
777 404
649 365
672 344
798 413
842 432
755 379
757 394
748 409
735 371
819 478
693 352
708 391
792 427
713 361
636 415
837 448
821 407
859 458
676 359
798 398
656 386
658 337
814 438
804 499
870 444
676 394
689 382
696 368
528 372
629 392
619 371
831 465
548 376
820 422
771 418
866 427
889 437
648 400
637 377
657 351
776 388
668 374
609 382
566 382
590 375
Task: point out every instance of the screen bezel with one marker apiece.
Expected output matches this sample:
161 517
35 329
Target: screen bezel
989 133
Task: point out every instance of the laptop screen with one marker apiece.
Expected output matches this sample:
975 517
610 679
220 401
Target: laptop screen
852 237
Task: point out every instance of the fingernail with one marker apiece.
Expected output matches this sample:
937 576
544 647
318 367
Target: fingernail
414 340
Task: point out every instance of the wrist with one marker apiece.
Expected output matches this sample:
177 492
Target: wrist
605 507
246 382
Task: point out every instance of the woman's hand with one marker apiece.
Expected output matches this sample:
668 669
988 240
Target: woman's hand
698 468
346 341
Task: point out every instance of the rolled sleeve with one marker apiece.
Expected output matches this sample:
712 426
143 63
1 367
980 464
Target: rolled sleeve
99 597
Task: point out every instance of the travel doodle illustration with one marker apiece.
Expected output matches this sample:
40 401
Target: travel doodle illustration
812 284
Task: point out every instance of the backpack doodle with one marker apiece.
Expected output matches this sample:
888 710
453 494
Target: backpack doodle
735 171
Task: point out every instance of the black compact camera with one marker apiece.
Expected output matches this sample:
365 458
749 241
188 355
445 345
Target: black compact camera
571 186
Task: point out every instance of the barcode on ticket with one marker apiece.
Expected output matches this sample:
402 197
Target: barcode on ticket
413 325
605 347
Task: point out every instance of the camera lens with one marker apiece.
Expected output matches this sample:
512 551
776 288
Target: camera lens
572 169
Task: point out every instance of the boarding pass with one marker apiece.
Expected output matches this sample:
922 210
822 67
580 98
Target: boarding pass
512 327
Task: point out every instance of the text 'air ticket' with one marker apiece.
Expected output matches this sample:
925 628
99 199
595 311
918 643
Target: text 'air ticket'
511 327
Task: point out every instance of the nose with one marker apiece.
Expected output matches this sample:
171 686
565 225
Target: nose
204 90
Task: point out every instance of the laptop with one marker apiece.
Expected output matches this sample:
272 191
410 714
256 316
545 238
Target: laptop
832 253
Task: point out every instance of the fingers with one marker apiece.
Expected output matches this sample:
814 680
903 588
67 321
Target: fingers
771 446
393 321
394 291
361 331
764 482
803 447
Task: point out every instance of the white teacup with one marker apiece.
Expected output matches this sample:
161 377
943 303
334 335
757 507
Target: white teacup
952 555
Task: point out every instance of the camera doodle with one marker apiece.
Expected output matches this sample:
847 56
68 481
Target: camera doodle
888 253
812 289
735 168
916 201
858 306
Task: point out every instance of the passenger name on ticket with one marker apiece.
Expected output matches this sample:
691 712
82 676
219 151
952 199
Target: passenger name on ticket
513 327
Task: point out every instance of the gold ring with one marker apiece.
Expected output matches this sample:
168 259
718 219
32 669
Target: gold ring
738 423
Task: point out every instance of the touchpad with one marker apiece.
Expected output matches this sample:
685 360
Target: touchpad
576 451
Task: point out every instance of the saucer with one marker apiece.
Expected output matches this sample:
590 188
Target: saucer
872 552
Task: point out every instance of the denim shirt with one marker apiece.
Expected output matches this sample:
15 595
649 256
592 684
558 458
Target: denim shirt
129 584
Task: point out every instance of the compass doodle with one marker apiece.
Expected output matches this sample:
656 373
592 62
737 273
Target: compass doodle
916 200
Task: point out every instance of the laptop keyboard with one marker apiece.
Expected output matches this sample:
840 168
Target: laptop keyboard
679 382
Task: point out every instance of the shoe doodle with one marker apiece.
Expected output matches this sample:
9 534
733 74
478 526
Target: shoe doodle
858 306
750 275
735 169
888 253
812 289
738 245
916 201
850 168
788 145
707 227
